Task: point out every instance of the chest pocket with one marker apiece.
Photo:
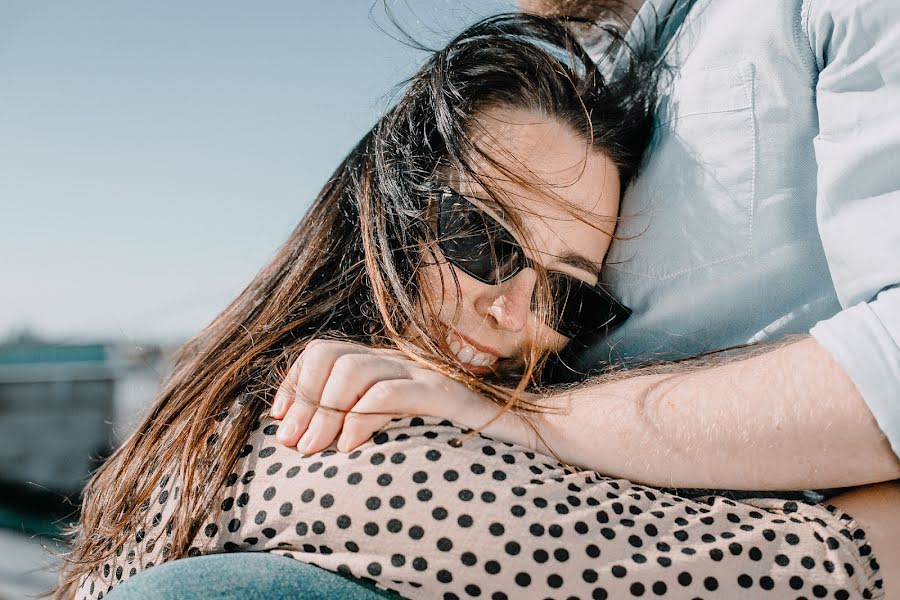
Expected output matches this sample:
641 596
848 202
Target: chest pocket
692 205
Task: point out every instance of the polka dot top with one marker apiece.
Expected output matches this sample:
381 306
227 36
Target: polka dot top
411 513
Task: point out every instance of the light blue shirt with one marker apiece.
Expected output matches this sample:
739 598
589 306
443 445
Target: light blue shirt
770 201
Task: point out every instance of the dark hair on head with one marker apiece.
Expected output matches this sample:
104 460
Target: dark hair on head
349 269
512 61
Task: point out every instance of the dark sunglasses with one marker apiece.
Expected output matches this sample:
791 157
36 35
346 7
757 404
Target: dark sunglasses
481 247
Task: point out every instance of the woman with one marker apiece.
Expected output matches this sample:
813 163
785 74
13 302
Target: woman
483 202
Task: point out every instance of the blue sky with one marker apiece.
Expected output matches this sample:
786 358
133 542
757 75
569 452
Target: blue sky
154 154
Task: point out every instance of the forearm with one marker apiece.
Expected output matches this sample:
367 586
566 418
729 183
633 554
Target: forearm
786 419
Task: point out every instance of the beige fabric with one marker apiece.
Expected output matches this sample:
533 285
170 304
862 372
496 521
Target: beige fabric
493 520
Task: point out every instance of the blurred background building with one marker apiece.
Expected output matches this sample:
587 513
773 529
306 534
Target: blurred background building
63 408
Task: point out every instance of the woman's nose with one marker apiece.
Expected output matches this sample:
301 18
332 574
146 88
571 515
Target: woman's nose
509 303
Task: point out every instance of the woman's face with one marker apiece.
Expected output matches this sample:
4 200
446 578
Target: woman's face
485 322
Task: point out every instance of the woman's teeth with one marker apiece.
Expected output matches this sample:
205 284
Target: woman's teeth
466 354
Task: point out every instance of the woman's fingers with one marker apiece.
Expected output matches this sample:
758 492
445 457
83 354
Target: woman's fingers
378 406
294 423
351 377
300 392
285 395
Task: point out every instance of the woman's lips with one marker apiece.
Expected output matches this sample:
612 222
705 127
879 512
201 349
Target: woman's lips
470 353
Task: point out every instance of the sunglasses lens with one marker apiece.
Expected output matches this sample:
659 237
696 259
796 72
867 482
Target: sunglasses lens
475 242
483 248
579 307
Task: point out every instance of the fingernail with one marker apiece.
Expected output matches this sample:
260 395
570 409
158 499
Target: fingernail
277 405
304 443
285 431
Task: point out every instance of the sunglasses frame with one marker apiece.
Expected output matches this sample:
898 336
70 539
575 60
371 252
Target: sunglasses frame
616 312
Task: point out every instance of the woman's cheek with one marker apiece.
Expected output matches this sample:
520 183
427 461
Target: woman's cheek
439 291
545 338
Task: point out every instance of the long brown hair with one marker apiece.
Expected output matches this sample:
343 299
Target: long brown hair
349 269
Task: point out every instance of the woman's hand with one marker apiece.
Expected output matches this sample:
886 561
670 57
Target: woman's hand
358 381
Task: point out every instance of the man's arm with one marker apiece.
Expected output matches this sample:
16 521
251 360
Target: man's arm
786 419
815 413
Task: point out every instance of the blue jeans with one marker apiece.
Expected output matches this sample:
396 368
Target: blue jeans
242 576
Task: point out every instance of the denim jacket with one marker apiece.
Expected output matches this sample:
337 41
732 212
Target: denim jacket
769 203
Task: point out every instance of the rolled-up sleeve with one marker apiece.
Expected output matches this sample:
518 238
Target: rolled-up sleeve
856 46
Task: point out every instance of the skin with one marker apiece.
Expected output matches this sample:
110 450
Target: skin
811 395
789 418
496 320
